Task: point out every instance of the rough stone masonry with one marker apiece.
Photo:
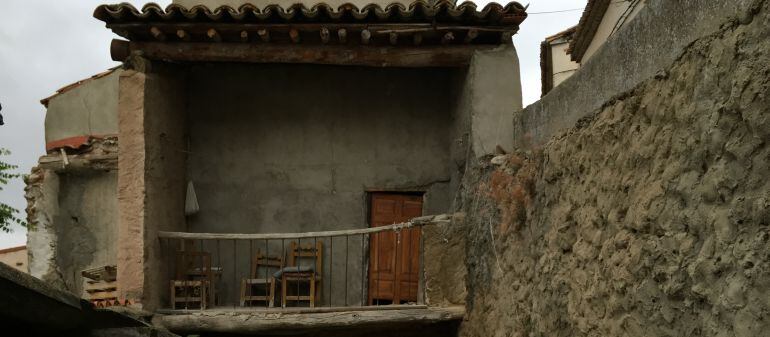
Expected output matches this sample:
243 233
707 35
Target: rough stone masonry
649 218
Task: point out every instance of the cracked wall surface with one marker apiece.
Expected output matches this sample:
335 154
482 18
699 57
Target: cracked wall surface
651 217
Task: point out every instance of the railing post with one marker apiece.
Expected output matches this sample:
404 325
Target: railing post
421 270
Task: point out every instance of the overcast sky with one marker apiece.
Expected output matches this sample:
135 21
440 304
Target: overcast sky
45 45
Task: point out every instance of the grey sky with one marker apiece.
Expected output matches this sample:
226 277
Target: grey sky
45 45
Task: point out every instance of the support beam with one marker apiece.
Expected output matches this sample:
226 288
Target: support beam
214 35
294 35
366 35
384 56
393 37
183 35
244 36
324 35
417 39
264 35
472 34
157 34
447 38
342 34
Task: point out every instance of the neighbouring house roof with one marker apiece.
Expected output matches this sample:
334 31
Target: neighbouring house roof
12 249
74 85
586 29
546 58
341 35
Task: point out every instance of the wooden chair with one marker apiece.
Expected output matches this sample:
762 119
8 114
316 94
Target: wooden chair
262 269
193 281
300 273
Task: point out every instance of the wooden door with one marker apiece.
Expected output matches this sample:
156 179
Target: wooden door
394 260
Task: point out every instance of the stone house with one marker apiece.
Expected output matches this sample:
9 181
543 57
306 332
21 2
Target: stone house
233 129
15 257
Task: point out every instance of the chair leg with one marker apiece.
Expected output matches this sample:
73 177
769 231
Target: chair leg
272 293
283 291
243 292
312 292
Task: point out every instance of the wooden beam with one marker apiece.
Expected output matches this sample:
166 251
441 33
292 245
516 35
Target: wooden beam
393 37
380 56
324 35
264 35
472 34
183 35
213 35
417 39
79 162
157 34
415 222
366 35
244 36
447 38
267 321
294 35
342 34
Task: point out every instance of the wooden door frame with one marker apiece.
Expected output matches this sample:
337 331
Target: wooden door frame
368 207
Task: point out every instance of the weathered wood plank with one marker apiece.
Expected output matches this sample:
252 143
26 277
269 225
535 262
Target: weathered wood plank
254 322
380 56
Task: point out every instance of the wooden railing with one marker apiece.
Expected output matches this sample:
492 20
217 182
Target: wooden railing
328 269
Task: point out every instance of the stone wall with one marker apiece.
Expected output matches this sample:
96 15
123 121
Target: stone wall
647 218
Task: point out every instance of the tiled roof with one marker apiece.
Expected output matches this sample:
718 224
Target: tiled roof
443 11
71 86
586 29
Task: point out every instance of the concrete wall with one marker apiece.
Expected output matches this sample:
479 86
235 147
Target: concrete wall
294 148
86 225
88 109
652 41
15 257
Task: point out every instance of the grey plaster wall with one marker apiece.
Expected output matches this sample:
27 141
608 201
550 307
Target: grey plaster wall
85 225
89 109
294 148
491 91
651 42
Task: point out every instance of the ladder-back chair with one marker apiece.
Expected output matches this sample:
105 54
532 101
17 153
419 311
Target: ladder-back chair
302 273
262 269
193 281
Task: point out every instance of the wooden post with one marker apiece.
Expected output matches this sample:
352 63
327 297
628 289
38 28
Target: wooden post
183 35
417 39
214 35
393 38
342 33
157 34
324 35
264 34
365 36
294 35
